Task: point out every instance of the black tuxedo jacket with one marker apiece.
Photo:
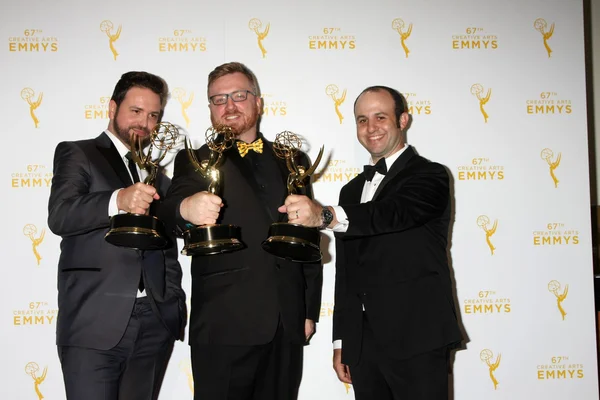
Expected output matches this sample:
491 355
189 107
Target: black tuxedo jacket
393 260
97 282
239 298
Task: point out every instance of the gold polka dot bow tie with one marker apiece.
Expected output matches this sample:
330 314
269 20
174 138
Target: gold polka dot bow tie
244 147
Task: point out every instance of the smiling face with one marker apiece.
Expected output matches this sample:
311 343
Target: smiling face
138 114
241 116
376 126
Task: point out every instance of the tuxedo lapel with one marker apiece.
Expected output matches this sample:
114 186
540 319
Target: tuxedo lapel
108 150
398 166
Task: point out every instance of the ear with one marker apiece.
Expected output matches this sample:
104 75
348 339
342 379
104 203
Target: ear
112 109
403 121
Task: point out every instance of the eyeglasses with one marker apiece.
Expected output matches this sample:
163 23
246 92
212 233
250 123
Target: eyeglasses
220 99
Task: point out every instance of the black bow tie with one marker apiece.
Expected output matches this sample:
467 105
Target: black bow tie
380 167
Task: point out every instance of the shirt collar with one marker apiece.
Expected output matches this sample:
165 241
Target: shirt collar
389 161
118 144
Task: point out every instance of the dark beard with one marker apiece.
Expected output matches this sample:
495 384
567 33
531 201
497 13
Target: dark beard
125 133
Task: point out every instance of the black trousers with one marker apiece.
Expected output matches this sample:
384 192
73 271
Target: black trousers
379 377
132 370
271 371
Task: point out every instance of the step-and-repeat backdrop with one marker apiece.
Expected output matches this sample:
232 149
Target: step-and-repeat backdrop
497 94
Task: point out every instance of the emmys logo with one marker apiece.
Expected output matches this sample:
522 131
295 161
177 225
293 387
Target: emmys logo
98 110
474 38
329 40
554 288
28 94
555 234
481 169
398 26
336 171
37 313
181 41
30 231
32 41
487 302
272 107
417 106
487 356
326 310
33 177
106 26
332 91
541 25
559 369
32 369
186 367
255 26
548 156
477 91
548 104
483 221
180 94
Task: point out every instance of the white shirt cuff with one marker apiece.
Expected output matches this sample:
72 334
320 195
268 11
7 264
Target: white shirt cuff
337 344
113 209
340 215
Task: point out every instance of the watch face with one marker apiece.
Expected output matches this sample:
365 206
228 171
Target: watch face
327 216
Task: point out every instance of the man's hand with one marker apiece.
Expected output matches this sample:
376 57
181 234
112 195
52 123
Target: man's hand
309 328
302 210
342 370
136 199
201 208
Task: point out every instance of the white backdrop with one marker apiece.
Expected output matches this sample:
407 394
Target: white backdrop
497 94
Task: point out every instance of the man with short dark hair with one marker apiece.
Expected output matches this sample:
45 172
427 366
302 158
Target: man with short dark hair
120 309
251 312
394 320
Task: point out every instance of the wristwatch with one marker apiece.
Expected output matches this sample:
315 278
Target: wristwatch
326 217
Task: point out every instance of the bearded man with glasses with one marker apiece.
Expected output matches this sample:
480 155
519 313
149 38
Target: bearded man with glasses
251 312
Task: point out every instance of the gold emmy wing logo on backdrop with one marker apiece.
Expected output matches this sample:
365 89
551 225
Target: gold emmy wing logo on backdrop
487 356
30 231
348 387
547 155
107 26
180 94
186 367
28 94
483 221
255 26
554 288
541 25
398 26
477 91
32 370
332 91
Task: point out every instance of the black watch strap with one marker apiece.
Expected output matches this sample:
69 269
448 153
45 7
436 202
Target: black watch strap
327 217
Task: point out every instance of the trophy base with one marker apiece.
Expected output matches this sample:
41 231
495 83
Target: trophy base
293 242
137 231
207 240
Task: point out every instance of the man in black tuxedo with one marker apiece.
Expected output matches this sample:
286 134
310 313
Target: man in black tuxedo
120 309
394 319
251 312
